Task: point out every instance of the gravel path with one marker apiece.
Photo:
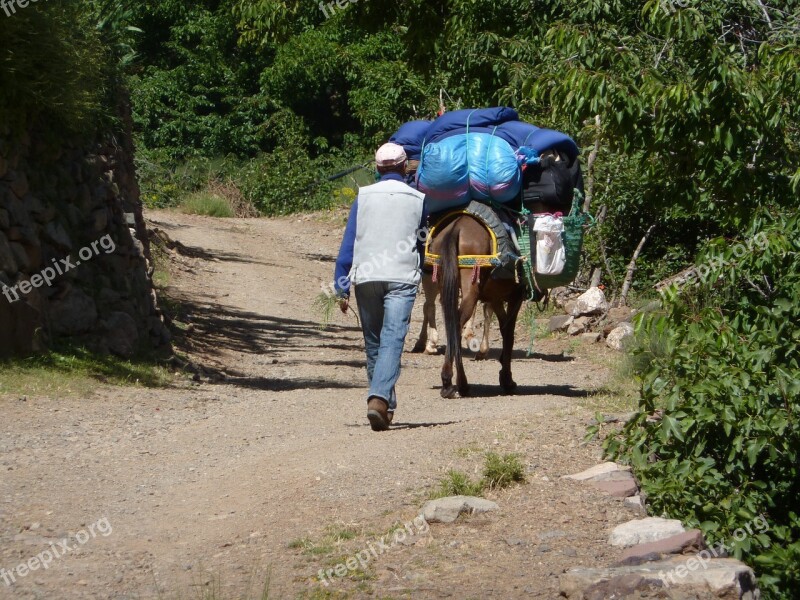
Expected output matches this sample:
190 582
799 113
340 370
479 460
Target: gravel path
211 488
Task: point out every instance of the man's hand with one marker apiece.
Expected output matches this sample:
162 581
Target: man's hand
344 303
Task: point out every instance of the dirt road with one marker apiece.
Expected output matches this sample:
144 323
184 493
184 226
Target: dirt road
209 489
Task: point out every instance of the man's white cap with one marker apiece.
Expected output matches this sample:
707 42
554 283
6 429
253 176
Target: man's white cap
390 155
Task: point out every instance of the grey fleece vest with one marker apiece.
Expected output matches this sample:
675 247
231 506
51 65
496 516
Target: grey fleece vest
387 225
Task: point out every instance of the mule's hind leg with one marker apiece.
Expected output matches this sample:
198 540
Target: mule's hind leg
483 353
428 343
508 323
469 301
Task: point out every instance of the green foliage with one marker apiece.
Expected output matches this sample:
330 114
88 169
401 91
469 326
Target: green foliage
53 67
206 203
163 186
727 447
194 94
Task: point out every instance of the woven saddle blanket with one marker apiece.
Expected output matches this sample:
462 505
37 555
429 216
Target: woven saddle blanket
501 227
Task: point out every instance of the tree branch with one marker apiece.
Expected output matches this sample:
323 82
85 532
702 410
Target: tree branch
587 202
626 286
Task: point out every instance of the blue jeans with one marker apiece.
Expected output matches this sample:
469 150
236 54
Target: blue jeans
385 312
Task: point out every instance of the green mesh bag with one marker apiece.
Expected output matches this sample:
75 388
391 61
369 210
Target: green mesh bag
572 238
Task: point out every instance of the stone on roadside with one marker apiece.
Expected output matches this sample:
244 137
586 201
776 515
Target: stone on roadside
618 337
619 314
560 322
687 578
591 302
592 337
446 510
579 325
597 471
688 542
641 531
635 504
619 488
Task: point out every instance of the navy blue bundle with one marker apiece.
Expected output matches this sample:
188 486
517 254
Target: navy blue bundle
476 154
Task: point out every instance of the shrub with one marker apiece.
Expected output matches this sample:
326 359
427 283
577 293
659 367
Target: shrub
727 447
53 66
502 471
458 483
206 203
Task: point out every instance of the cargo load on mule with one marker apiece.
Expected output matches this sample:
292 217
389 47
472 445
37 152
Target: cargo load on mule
522 182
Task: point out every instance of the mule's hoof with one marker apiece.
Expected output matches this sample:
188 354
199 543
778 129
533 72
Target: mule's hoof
431 351
481 356
509 388
507 383
449 392
463 392
418 348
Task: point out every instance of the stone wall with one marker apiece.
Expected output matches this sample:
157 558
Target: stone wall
74 207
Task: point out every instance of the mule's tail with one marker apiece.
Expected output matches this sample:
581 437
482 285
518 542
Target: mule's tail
451 284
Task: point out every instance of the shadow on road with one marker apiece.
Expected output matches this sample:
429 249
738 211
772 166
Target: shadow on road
479 391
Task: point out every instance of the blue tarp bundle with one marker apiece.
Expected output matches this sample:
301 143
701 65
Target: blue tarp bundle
411 136
468 166
476 154
458 121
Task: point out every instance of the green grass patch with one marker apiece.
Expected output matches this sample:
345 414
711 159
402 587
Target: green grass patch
499 471
76 371
335 535
457 483
207 204
502 471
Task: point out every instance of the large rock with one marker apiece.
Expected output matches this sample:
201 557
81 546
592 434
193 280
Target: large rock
19 322
624 487
591 302
8 263
18 183
579 325
121 334
688 542
446 510
700 577
20 256
560 322
58 236
619 337
73 314
641 531
619 314
598 472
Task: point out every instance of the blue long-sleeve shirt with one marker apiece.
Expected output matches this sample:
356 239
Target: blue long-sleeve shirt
344 262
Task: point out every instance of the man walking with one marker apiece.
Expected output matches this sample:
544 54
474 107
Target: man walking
380 254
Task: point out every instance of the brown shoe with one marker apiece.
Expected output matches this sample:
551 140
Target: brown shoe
378 414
